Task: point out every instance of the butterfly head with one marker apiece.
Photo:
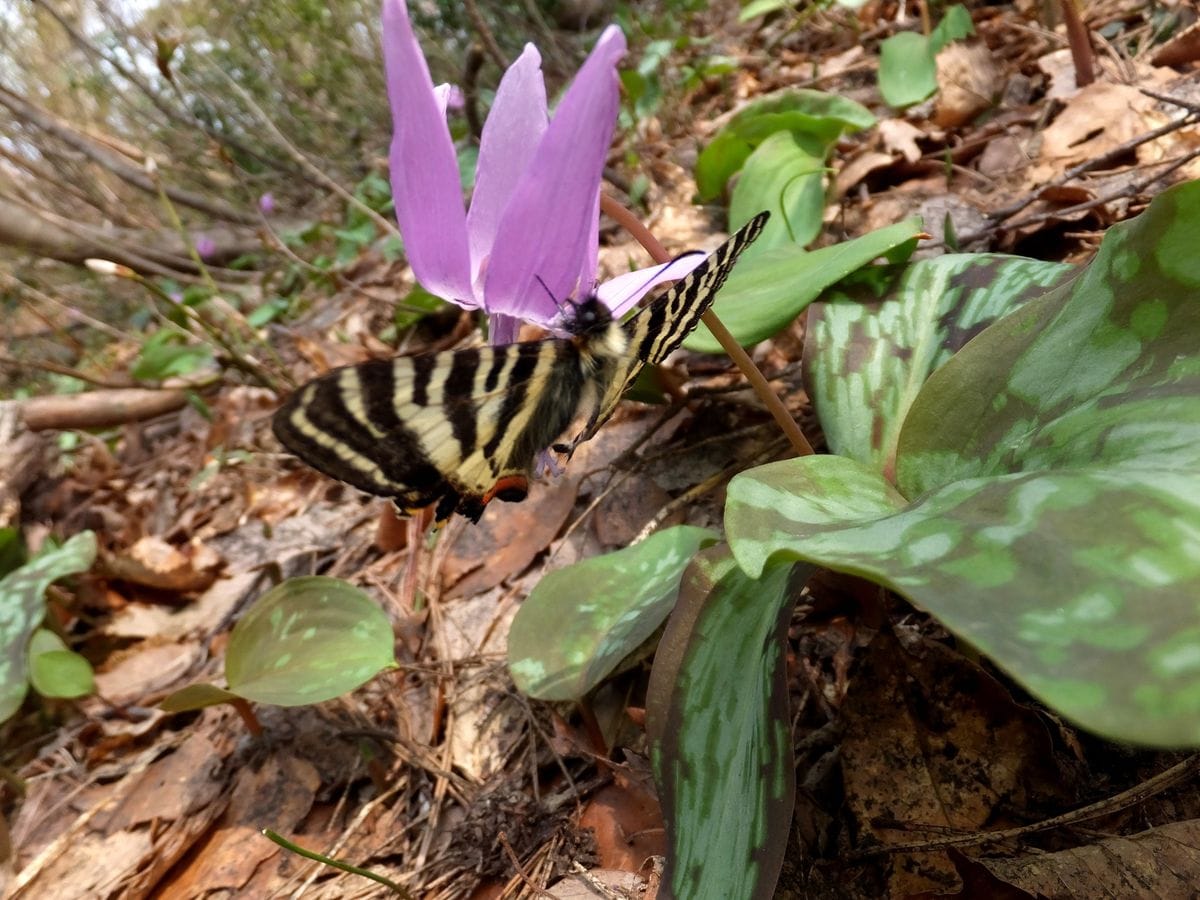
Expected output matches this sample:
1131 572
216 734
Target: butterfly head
593 329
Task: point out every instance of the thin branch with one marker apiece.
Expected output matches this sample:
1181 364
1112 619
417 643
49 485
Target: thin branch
27 112
132 76
288 147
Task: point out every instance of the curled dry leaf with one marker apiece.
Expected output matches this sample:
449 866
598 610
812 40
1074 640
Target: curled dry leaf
154 563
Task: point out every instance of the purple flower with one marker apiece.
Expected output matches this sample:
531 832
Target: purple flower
266 203
530 238
205 246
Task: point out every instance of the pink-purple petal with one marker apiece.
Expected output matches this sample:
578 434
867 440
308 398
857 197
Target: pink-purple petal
621 293
514 127
544 231
424 168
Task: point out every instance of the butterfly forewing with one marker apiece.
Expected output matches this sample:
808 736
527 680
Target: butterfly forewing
659 329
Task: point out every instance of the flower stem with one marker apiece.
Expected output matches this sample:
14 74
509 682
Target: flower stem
783 418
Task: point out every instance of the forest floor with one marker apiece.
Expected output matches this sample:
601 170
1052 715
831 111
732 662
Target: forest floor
439 774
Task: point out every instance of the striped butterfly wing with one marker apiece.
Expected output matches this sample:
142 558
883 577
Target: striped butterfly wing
454 428
659 329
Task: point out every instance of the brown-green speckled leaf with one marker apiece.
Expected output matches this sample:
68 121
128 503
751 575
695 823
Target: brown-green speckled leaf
307 640
581 621
23 606
1054 471
866 359
720 735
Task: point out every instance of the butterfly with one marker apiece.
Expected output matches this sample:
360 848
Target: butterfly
463 427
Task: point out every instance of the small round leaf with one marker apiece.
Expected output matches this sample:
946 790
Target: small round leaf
307 640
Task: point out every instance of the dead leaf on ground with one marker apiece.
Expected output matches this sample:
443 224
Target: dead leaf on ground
153 563
1158 862
932 744
968 81
145 669
275 794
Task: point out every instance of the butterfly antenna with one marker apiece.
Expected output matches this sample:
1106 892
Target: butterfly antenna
561 304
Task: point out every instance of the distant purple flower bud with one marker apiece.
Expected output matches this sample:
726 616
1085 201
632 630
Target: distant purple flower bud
266 203
205 246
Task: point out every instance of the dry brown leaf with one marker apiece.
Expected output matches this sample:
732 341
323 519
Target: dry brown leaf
145 669
899 136
1158 862
277 794
931 742
968 81
154 563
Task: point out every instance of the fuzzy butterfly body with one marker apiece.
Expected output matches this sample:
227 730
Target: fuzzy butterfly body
462 427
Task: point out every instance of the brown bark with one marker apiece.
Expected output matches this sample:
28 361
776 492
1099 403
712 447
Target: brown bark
25 228
98 409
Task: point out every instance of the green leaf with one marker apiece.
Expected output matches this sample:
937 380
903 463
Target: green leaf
581 621
718 162
814 119
780 177
719 730
55 670
756 8
196 696
767 293
23 608
307 640
907 71
12 549
164 355
1054 471
865 359
955 25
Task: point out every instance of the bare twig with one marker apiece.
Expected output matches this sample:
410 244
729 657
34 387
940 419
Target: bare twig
301 160
998 216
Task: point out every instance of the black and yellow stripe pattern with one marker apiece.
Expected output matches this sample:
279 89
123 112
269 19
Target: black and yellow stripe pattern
461 427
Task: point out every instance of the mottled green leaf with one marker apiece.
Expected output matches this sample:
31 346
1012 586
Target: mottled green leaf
865 359
955 25
581 621
780 177
23 606
720 734
196 696
815 119
306 640
768 292
1054 467
907 71
55 670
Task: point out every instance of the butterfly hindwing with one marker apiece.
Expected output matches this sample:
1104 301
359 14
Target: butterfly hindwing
437 427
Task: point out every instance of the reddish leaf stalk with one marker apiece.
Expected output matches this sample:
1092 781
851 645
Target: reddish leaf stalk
1081 45
758 382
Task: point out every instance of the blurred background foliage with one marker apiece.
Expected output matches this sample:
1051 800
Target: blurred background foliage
254 133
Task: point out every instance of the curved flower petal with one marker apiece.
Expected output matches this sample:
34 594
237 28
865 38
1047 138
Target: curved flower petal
514 127
621 293
424 169
544 231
